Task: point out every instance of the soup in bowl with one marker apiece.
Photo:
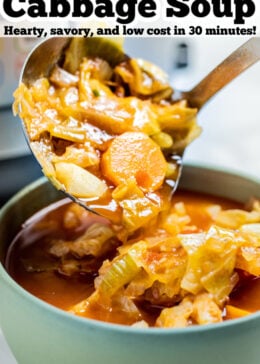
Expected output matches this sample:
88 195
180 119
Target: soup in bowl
144 325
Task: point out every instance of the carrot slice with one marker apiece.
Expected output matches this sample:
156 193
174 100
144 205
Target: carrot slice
235 312
134 154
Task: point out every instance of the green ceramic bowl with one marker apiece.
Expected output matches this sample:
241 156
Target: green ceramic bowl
41 334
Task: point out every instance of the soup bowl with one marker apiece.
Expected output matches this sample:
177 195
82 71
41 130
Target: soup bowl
39 333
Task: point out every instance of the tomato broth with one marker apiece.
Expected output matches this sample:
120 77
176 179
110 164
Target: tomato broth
65 280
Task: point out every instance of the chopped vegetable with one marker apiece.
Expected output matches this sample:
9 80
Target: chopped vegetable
179 270
113 117
135 154
206 310
78 181
177 316
235 312
96 241
211 262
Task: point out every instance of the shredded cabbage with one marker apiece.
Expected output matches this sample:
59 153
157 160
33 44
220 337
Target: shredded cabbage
89 99
189 275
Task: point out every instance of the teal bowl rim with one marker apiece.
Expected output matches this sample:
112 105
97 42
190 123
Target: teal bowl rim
92 323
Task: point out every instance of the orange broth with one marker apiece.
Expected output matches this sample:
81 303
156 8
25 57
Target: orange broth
30 249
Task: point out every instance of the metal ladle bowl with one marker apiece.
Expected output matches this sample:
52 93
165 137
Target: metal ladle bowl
47 54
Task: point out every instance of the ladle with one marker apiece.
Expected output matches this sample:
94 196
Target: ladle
231 67
42 59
